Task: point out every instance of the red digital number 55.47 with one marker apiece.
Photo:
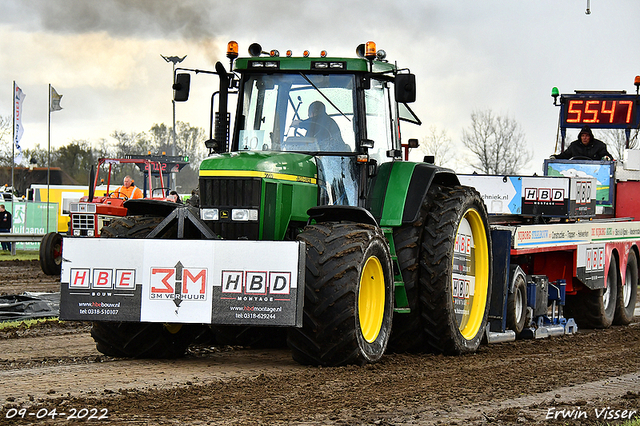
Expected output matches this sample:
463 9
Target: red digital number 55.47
600 111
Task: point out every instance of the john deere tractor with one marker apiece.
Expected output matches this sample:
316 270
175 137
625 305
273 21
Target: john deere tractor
315 158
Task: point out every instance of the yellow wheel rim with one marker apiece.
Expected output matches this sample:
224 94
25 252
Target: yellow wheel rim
173 328
371 299
470 274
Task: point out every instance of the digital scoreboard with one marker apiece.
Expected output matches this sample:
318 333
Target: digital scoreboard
600 111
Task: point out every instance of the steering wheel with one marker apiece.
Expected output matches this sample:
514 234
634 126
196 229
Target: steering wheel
296 129
581 157
120 195
157 192
318 126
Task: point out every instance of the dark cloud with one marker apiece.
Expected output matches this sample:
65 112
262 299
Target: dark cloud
204 19
188 18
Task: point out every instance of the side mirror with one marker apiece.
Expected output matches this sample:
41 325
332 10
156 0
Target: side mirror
181 87
405 88
214 146
413 143
366 143
372 168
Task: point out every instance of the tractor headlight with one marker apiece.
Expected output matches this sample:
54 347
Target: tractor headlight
244 215
89 232
76 232
209 214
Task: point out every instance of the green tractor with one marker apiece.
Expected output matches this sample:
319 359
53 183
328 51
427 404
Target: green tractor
396 254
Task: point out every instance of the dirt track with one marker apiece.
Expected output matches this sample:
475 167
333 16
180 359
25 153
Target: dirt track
57 367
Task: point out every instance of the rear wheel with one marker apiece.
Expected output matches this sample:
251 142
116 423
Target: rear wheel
407 334
138 339
51 253
407 330
348 301
627 292
456 270
596 308
517 305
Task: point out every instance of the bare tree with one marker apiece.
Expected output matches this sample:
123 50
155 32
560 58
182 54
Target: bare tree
161 138
189 139
616 140
5 140
129 143
497 142
438 144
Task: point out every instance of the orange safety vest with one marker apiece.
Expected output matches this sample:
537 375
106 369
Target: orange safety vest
131 193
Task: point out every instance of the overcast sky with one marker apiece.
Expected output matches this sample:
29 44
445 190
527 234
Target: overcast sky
504 55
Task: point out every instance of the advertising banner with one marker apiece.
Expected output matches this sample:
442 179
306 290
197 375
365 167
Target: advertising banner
535 196
183 281
572 234
18 98
590 265
31 218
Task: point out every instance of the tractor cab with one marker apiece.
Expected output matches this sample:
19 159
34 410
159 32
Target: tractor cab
341 114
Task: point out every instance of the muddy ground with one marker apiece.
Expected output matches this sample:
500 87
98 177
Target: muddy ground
54 368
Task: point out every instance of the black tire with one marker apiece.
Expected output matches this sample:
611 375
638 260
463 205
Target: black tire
348 301
454 324
143 340
517 305
627 292
139 339
131 227
51 253
596 308
407 334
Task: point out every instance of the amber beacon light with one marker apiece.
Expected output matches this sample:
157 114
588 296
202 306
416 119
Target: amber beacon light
232 50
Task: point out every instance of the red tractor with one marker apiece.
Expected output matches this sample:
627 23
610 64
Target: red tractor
91 213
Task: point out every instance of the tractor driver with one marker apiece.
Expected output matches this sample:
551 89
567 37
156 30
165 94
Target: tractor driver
128 189
586 146
323 128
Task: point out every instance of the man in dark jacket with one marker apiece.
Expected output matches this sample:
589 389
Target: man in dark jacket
586 146
323 128
5 225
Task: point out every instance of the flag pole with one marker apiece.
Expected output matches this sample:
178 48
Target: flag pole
13 142
48 153
13 160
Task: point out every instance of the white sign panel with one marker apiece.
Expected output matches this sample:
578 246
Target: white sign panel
501 194
181 281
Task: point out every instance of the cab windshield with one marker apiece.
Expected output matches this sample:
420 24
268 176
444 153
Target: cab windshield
298 112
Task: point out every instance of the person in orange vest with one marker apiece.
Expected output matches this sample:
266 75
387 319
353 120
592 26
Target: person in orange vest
128 189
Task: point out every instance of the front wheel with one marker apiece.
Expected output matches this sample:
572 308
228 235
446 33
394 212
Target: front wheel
51 253
140 339
456 271
348 301
143 340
